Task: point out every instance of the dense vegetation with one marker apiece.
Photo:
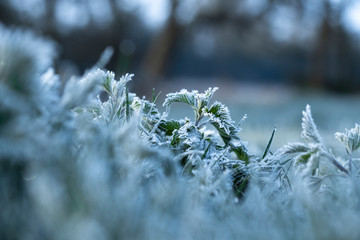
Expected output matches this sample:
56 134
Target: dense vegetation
74 166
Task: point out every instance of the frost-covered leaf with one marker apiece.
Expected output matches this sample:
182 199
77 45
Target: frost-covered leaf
189 135
169 126
309 163
150 109
303 157
240 150
294 148
220 118
203 99
219 111
194 99
136 104
351 138
184 96
309 130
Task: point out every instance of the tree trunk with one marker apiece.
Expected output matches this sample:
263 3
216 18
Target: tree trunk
157 55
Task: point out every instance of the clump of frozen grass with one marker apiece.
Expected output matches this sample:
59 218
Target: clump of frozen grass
74 167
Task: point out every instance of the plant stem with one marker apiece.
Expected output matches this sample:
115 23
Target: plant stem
335 162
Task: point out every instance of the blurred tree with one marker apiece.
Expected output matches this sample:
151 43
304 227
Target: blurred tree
264 39
318 63
157 55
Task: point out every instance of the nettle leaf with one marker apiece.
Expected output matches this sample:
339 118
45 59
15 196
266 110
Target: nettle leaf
310 163
351 138
203 99
306 156
184 96
198 101
219 117
150 109
169 126
303 158
294 148
309 130
241 151
175 139
136 104
189 135
186 139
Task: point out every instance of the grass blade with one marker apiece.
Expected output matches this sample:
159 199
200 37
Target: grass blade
269 143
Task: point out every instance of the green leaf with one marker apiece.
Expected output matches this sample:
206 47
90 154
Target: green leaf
220 118
241 152
303 158
150 109
169 126
175 140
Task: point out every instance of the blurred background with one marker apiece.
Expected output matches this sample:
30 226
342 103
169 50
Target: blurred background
269 57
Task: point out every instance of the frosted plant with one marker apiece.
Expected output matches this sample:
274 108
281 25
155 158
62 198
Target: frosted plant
197 145
198 101
75 167
117 106
218 115
311 155
351 138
